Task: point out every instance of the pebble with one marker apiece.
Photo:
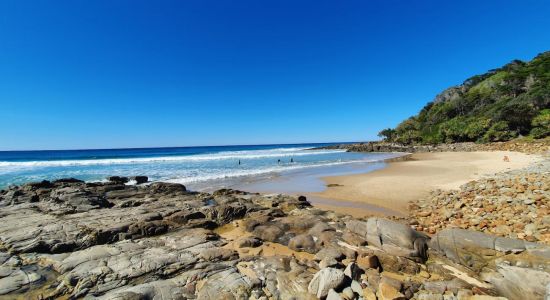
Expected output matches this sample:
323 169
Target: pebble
510 204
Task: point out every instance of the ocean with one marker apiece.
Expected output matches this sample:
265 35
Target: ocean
196 167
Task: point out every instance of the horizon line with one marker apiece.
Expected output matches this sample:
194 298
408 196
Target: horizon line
172 147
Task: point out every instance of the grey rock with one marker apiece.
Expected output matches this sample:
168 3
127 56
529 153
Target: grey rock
140 179
356 287
325 280
332 253
333 295
348 294
270 233
303 242
328 262
520 283
469 248
392 237
251 242
118 179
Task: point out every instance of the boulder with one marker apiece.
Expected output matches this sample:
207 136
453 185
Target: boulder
140 179
330 253
225 213
325 280
368 262
328 262
166 188
118 179
302 242
394 238
388 292
249 242
270 233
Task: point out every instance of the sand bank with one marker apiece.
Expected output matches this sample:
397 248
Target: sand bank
402 181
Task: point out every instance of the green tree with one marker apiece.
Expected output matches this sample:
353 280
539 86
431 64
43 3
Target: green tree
407 132
518 116
387 134
495 106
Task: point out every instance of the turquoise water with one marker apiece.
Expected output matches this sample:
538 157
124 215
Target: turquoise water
194 166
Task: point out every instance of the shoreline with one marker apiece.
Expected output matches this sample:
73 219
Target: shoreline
309 182
413 177
278 241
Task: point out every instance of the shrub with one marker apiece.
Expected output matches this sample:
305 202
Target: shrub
499 132
476 128
539 132
541 125
464 129
453 130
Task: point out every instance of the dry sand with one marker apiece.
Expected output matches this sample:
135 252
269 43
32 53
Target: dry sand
393 187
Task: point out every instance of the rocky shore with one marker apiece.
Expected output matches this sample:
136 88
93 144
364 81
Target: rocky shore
109 240
512 204
539 146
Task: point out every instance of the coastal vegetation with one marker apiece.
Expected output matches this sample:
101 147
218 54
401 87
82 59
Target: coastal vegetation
500 105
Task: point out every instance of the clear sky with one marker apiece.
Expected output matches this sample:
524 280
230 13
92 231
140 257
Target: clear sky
105 74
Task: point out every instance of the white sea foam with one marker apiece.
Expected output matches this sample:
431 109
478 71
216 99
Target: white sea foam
226 155
263 171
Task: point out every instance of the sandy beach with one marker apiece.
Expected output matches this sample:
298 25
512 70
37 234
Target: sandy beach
402 181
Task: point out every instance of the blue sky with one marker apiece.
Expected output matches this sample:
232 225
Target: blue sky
104 74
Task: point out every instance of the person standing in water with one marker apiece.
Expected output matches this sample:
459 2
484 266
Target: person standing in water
291 160
239 162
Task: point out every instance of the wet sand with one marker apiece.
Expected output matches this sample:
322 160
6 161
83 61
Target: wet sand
391 189
309 182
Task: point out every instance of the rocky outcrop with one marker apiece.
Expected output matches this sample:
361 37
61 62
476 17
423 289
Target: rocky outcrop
525 275
392 237
472 248
540 146
512 204
111 240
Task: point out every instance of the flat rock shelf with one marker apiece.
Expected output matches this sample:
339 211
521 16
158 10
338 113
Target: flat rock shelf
110 240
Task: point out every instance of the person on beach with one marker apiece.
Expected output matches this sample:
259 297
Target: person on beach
506 158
